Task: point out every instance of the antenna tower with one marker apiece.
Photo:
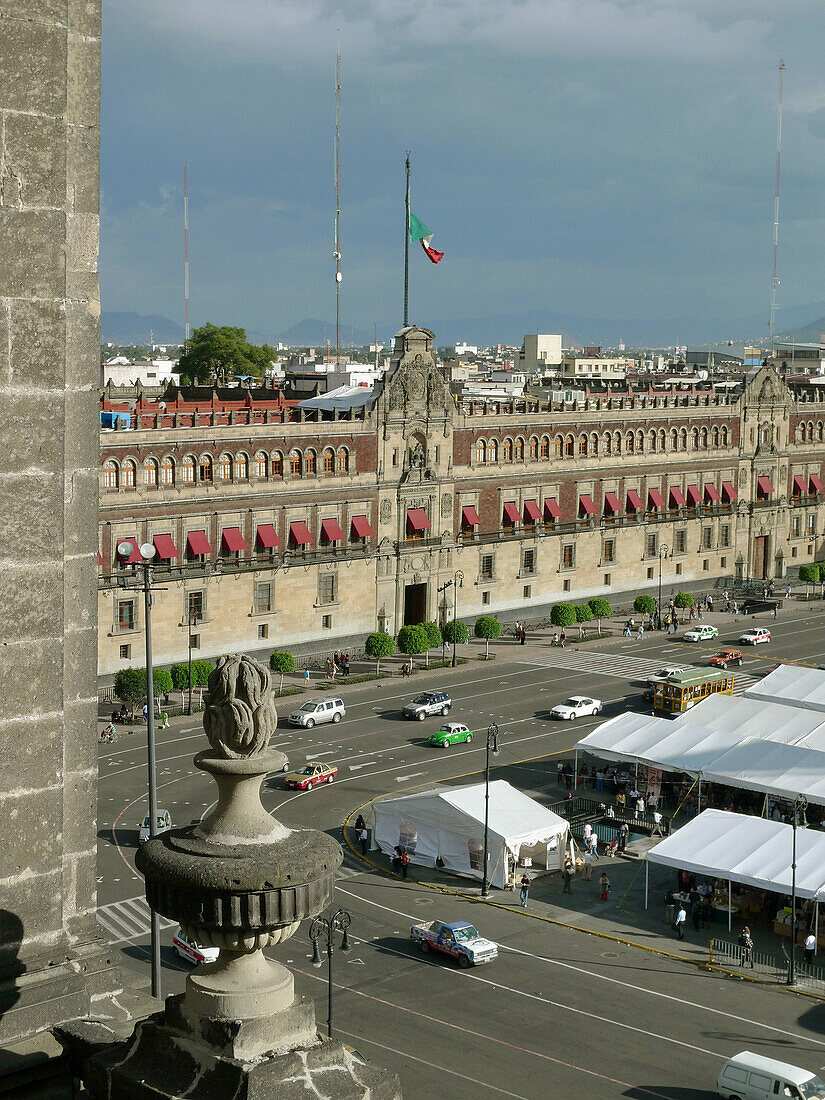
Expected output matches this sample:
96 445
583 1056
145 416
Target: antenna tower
336 255
774 280
186 254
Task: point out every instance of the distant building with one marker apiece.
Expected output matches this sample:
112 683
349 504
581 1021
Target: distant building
539 354
582 367
466 349
151 373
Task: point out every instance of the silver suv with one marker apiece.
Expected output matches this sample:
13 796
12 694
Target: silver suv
313 714
431 702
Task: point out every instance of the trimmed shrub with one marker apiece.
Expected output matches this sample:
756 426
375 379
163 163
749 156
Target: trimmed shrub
583 613
684 599
563 614
162 680
810 574
413 640
180 676
378 646
601 610
281 662
487 627
434 637
130 686
456 631
200 673
645 605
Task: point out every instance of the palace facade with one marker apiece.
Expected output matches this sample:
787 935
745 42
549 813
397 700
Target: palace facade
306 529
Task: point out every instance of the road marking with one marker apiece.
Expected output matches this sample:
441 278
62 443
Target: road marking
366 764
412 775
315 755
128 920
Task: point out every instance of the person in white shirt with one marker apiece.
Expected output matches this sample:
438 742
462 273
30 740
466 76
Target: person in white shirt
588 865
810 948
610 812
657 824
586 832
679 924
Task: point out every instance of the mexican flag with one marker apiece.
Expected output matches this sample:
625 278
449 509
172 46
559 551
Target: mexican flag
419 232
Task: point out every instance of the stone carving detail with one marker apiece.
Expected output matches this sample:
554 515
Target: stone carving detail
446 505
240 717
415 383
396 396
417 456
385 512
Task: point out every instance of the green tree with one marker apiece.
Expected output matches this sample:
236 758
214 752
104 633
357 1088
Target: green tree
583 615
282 662
200 672
217 351
645 605
434 637
130 686
487 627
601 610
378 646
563 614
684 599
455 631
413 640
180 676
162 680
810 574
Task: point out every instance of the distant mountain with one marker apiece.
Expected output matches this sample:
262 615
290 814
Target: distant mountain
134 328
812 333
314 333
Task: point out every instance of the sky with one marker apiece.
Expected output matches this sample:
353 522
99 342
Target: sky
588 158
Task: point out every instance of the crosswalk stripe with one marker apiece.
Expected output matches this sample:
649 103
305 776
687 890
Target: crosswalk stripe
128 919
624 667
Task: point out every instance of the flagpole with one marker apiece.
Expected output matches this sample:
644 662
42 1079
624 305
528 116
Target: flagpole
407 245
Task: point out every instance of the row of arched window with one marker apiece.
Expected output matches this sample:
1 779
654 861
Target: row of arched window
810 431
205 469
655 440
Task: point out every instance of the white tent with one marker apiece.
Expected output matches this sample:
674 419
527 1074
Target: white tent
750 850
793 685
447 823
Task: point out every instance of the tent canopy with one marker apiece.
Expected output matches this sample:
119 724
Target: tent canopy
750 850
792 685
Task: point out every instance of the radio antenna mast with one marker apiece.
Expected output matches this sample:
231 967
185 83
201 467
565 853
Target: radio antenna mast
186 254
774 280
336 255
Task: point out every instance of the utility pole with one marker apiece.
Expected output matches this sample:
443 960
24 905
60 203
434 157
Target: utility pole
407 246
774 280
186 255
336 255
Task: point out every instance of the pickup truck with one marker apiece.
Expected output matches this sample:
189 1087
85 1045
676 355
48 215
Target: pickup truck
458 939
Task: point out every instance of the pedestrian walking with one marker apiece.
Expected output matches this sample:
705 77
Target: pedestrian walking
588 865
679 923
657 824
787 591
363 836
640 633
523 636
560 772
587 832
604 886
405 863
306 677
145 713
164 721
567 874
774 610
562 638
626 631
810 948
746 948
525 890
623 835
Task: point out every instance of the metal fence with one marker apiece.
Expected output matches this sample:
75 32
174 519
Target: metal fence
763 964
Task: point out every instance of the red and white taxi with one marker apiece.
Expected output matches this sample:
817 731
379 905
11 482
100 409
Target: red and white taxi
310 775
190 951
755 636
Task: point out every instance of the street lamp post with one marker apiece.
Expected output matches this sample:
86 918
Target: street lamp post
492 743
338 922
147 553
456 583
664 550
800 804
193 619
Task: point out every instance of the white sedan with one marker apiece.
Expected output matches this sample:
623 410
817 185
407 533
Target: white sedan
755 636
577 706
700 633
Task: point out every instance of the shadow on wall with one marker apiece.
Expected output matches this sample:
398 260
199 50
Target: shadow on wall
11 938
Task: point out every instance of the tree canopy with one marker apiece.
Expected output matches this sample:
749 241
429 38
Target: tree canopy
379 645
218 351
487 627
646 605
563 614
281 661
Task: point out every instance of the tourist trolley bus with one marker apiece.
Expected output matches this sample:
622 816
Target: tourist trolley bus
679 692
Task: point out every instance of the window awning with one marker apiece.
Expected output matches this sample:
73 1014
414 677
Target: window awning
531 510
655 499
469 516
612 503
816 483
198 543
164 547
551 508
677 497
728 491
711 492
232 539
634 501
764 485
331 530
586 506
693 494
418 519
266 536
361 526
511 512
100 559
800 484
299 533
134 558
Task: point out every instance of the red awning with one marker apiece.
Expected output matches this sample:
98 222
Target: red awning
676 495
531 510
728 491
361 526
511 511
612 503
232 539
694 496
764 485
299 533
266 536
198 543
655 498
331 530
165 547
100 559
586 505
469 516
418 519
816 483
634 501
134 558
800 484
551 508
711 492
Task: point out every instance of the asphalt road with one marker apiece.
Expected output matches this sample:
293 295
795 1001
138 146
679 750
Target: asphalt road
558 1011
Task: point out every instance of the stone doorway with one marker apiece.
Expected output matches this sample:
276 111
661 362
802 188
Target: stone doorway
415 604
760 557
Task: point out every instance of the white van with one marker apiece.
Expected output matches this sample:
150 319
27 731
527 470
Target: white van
749 1076
313 714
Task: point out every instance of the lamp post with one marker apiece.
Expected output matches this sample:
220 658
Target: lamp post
147 553
321 926
800 804
456 583
492 743
193 621
664 550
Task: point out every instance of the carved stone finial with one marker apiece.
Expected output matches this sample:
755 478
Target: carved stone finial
240 717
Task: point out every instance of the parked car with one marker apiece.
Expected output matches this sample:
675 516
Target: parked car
726 657
431 702
190 951
313 714
458 939
755 636
577 706
451 733
700 633
310 775
164 824
663 673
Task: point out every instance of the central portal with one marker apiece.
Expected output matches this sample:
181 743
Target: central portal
415 604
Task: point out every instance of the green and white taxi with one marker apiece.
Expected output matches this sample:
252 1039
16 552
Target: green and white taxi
451 733
700 633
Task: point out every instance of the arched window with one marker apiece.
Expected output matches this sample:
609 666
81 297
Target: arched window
295 463
150 472
343 461
819 431
558 447
714 436
662 439
110 475
674 439
694 439
544 449
629 443
310 464
569 447
640 442
607 443
810 432
520 449
724 435
187 471
277 464
167 472
261 464
683 439
129 474
617 443
651 440
582 446
329 461
225 468
481 452
507 451
492 450
534 448
594 443
703 439
206 469
241 468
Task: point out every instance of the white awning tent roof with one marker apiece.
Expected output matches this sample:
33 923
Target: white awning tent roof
792 685
342 398
448 823
750 850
